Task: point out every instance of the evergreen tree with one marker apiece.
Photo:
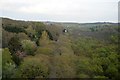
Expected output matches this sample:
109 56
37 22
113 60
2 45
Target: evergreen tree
44 40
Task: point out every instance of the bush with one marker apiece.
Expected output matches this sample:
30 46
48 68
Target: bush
8 65
6 37
115 38
6 56
17 59
44 40
83 76
44 50
28 46
64 66
111 71
31 32
8 71
14 29
23 36
14 45
32 68
102 77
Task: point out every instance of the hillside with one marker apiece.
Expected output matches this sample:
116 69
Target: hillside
44 50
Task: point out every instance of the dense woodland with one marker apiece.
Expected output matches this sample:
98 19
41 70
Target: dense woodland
43 50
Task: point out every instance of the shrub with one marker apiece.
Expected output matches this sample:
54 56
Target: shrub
111 71
6 37
22 36
6 56
83 76
30 32
44 40
32 68
64 66
8 71
16 59
44 50
14 45
28 46
14 29
8 65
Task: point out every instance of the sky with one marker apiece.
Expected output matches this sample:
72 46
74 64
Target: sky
81 11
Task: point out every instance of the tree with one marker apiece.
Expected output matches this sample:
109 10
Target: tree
6 36
112 71
14 29
8 65
32 68
54 33
30 31
64 66
92 29
39 26
23 36
44 40
6 56
29 46
14 45
44 50
115 38
46 46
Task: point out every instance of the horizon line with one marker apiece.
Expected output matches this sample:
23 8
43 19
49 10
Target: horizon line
57 21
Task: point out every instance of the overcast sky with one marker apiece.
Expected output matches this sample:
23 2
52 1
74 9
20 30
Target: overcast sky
61 10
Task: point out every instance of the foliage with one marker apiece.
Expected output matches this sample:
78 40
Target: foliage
64 66
8 65
17 60
100 59
28 46
6 56
44 40
32 68
92 29
85 46
14 29
31 32
14 45
6 36
114 38
54 33
84 52
44 50
8 71
39 26
50 35
23 36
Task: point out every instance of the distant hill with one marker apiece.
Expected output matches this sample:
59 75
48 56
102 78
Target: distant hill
99 30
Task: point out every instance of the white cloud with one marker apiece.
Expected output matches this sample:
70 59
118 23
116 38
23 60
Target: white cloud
61 10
